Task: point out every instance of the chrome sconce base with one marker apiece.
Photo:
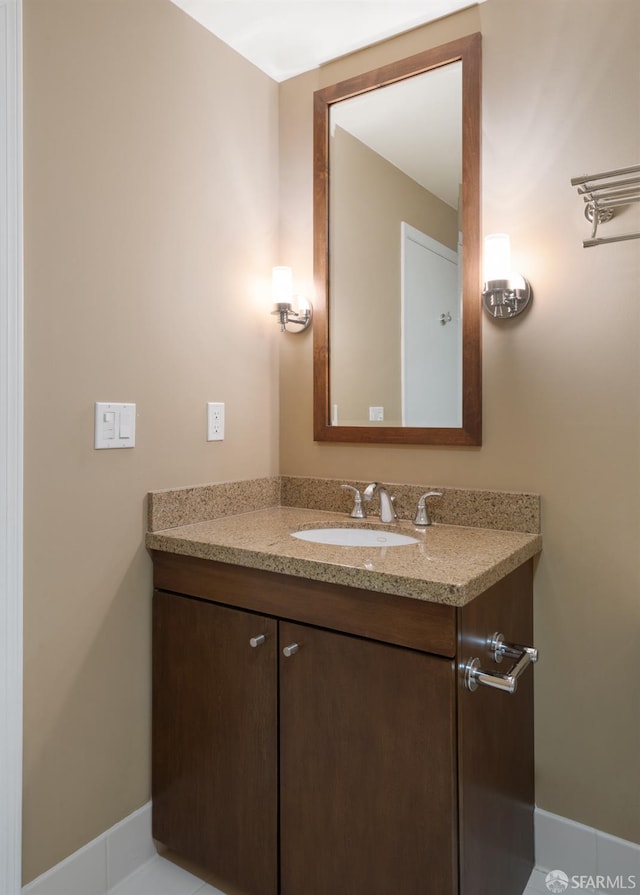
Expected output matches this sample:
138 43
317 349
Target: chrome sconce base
293 321
506 298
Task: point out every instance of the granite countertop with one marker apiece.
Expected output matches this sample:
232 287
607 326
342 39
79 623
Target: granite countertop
450 564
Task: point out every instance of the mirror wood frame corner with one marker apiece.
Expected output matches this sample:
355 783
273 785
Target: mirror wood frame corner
466 50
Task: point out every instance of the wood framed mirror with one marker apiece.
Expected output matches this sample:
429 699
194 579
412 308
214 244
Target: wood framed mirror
397 322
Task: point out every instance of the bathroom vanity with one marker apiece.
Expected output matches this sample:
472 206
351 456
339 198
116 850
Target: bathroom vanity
312 730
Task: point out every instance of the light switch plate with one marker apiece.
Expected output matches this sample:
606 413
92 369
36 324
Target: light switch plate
115 425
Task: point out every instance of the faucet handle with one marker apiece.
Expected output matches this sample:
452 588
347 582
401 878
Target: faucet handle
370 490
422 516
358 511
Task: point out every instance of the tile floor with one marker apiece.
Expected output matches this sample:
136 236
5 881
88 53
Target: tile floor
161 877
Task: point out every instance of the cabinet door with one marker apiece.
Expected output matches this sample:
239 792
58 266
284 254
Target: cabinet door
215 740
367 768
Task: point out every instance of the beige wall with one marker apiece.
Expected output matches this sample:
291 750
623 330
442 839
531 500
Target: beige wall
366 270
561 386
150 222
150 212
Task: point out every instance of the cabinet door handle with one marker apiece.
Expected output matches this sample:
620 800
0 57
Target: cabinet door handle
524 656
257 641
290 649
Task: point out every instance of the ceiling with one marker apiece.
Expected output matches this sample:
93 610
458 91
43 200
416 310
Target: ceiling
397 123
287 37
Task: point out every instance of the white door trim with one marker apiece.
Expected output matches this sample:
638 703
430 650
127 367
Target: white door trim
11 443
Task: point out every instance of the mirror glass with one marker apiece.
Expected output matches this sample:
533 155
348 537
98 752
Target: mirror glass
395 247
397 342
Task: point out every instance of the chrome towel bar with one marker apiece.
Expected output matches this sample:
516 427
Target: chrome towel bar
474 676
602 196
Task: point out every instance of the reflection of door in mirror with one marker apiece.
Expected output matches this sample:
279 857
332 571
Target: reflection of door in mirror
396 190
431 332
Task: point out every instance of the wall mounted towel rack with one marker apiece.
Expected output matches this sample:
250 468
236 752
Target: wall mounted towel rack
603 193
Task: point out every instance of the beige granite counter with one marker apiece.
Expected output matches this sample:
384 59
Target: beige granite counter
450 563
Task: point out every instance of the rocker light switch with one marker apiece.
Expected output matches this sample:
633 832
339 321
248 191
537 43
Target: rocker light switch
109 424
115 426
126 423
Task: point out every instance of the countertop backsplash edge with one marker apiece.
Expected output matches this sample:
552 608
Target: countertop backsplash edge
475 508
174 507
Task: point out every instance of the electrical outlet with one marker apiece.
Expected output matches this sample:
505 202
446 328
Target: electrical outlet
215 421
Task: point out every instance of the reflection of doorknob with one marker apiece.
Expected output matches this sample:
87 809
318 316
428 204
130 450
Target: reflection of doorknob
445 318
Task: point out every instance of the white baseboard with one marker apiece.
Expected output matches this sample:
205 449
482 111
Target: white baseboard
561 844
102 863
577 850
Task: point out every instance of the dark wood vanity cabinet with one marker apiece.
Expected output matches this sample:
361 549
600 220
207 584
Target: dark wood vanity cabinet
339 753
215 749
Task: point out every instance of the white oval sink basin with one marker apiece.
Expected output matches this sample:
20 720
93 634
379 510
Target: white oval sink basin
354 537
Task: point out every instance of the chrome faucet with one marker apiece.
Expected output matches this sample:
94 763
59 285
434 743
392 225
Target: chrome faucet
387 509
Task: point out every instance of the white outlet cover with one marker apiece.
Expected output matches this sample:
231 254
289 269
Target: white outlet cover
215 421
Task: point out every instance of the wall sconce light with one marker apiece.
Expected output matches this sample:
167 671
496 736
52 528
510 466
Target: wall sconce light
505 294
282 293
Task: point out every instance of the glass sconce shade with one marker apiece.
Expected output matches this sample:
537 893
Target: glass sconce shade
497 257
281 285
